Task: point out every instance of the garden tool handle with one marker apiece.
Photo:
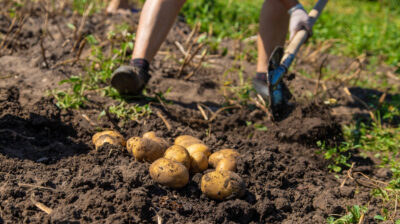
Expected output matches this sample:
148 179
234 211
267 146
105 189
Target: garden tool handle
302 35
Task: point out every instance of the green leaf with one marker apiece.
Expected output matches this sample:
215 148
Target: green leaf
337 169
71 26
91 39
379 217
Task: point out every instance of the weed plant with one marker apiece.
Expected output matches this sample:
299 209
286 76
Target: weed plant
379 137
99 68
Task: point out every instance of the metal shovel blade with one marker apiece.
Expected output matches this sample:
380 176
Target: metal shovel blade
271 89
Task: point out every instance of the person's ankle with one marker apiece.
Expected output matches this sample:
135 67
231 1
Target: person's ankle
141 63
261 76
144 66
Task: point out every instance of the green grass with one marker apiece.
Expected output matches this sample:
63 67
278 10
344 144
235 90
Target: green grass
353 216
232 18
361 26
378 137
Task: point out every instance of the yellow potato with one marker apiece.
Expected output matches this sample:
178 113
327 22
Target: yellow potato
145 149
219 185
103 139
152 135
169 173
199 148
179 154
187 140
198 162
113 133
222 154
227 164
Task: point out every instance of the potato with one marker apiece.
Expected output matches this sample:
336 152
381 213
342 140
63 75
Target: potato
169 173
227 164
112 133
219 185
179 154
199 148
106 139
222 154
198 162
145 149
152 135
187 140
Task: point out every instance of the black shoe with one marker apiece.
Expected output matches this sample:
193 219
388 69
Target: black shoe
129 80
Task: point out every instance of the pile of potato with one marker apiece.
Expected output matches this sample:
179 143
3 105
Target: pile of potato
171 165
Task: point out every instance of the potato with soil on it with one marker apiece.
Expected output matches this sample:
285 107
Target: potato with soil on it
199 148
226 164
192 144
169 173
111 137
220 185
198 162
187 140
152 135
179 154
145 149
224 159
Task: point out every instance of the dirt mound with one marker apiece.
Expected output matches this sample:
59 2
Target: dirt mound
308 124
44 155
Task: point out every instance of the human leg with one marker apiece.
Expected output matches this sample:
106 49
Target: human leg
115 5
274 23
155 21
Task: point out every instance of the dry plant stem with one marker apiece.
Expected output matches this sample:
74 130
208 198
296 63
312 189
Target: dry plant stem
180 47
43 52
202 112
203 55
6 77
382 99
159 219
391 75
81 46
88 120
164 120
371 114
320 75
67 61
395 209
46 24
60 30
21 24
348 175
35 186
8 32
191 35
41 206
205 106
222 109
189 58
261 105
361 218
83 21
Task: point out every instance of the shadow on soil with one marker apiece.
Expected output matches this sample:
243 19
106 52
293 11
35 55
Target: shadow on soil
370 97
38 138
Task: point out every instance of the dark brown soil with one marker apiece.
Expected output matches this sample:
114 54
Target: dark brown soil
46 153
